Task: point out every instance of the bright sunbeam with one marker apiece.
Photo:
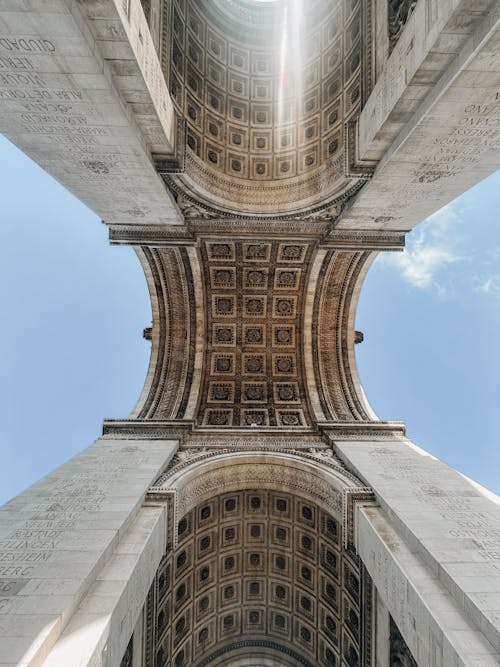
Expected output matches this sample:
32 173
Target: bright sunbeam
290 63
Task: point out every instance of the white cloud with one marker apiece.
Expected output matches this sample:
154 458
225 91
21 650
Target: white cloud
490 285
430 248
420 265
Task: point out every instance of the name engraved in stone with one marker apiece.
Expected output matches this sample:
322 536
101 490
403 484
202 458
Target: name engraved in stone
10 587
29 544
15 63
26 556
27 44
16 571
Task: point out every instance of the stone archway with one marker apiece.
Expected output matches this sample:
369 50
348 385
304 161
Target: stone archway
259 570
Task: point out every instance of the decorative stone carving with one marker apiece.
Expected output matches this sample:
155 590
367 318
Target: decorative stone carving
398 15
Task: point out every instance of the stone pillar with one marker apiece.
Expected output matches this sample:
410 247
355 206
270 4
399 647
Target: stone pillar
78 553
432 547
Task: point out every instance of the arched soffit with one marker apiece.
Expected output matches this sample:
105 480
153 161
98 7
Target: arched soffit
258 570
196 477
253 333
270 94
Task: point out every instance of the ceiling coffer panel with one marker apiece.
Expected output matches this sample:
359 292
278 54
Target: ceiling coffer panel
269 96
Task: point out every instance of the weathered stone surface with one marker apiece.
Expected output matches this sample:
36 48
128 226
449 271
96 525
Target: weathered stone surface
453 526
83 95
58 536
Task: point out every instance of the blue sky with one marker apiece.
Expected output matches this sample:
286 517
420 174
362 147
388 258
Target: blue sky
74 309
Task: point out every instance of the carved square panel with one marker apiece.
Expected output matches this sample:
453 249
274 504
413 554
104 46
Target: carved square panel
284 364
351 619
230 506
222 364
207 543
224 335
290 418
260 167
254 364
204 637
182 593
305 604
229 624
255 533
261 140
285 166
216 46
205 574
305 574
328 654
194 111
184 560
214 155
238 85
254 418
215 129
309 131
308 158
285 279
279 622
255 502
223 305
221 251
230 593
255 590
238 164
220 392
254 620
230 536
237 137
255 278
256 252
216 101
285 138
238 110
229 564
305 544
291 252
330 528
222 277
205 605
280 535
254 306
255 560
306 514
329 593
330 560
329 625
262 89
216 73
280 506
239 58
262 63
304 634
280 593
221 417
280 564
310 103
286 392
261 114
253 392
285 306
254 335
283 335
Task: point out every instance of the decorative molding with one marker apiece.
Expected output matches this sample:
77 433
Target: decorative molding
399 11
352 497
363 430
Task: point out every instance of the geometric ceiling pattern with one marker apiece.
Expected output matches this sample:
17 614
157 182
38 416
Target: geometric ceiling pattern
259 573
266 92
